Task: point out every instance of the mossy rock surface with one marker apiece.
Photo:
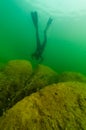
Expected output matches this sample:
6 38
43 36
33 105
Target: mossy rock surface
59 106
12 79
21 69
18 80
71 76
42 76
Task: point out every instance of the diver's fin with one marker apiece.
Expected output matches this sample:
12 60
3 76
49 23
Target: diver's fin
34 16
48 23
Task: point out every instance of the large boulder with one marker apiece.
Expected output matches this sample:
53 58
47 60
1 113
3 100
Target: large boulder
42 76
18 70
59 106
13 78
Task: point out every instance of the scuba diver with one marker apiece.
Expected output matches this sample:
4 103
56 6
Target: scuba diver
40 47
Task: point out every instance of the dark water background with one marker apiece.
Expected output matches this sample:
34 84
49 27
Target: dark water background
66 45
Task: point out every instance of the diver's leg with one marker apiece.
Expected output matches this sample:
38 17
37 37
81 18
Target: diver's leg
34 16
48 24
45 33
45 40
37 39
37 51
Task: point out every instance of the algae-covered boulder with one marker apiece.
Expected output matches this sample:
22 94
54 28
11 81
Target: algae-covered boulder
18 69
13 78
41 77
4 92
59 106
71 76
18 81
18 72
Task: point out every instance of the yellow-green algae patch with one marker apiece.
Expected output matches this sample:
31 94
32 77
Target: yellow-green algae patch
18 69
59 106
12 79
41 76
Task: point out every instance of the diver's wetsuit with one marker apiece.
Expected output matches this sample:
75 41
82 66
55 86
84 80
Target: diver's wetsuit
40 47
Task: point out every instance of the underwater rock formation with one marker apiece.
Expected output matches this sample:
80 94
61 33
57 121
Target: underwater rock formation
59 106
18 80
18 69
71 76
3 92
42 76
12 79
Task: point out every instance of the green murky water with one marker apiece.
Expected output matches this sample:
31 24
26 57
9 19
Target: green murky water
66 45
